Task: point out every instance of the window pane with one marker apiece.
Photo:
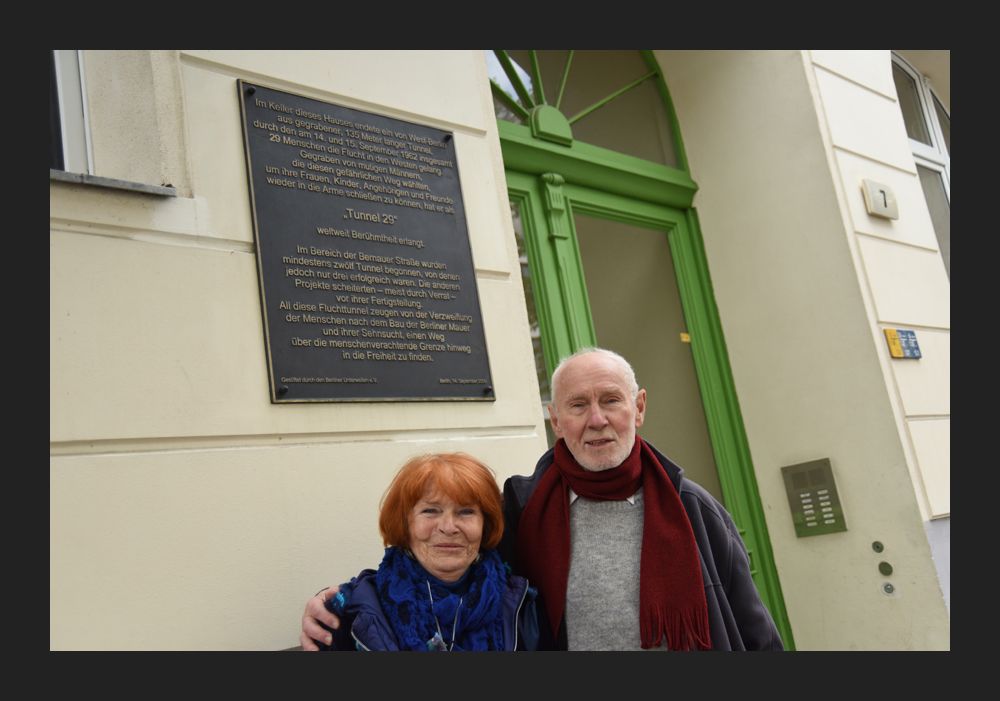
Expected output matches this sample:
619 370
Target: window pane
909 103
68 76
501 111
499 76
551 64
945 122
55 128
529 301
937 203
643 320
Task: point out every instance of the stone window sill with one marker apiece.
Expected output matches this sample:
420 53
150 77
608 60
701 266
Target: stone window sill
98 181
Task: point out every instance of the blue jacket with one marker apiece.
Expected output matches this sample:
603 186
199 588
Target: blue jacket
364 626
737 617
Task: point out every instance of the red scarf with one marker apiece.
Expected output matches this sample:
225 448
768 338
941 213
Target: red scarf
671 591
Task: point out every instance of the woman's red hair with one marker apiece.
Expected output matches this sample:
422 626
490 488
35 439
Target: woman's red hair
458 476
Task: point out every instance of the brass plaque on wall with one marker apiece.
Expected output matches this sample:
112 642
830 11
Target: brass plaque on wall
367 285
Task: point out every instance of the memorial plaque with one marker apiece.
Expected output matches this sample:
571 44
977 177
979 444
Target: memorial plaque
367 286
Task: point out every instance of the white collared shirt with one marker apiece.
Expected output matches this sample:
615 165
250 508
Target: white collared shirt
573 496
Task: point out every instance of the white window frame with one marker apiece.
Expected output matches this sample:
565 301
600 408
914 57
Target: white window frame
935 156
938 167
74 119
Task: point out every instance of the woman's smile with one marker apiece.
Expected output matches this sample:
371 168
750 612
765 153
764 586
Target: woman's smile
445 535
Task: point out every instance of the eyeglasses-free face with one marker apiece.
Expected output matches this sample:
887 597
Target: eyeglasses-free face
445 535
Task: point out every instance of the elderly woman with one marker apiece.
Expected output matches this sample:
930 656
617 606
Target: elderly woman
441 585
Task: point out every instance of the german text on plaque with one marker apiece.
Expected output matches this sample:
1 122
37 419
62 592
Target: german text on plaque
367 285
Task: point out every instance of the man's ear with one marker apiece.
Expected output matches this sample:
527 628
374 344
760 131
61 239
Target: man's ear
640 408
554 420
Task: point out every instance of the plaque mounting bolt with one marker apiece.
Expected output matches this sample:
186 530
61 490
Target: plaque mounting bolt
282 390
251 90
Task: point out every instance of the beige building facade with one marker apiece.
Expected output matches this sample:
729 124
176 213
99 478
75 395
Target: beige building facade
188 511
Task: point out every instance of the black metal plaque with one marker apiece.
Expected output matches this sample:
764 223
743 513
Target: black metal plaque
367 285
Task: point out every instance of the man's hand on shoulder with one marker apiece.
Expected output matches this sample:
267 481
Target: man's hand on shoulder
315 613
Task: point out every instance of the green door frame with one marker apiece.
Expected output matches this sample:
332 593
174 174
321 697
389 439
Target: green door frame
549 182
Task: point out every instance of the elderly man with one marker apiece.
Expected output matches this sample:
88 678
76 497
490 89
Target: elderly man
627 553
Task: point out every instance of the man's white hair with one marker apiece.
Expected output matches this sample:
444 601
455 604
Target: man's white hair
626 367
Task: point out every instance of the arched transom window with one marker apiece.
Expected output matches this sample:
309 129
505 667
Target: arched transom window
613 99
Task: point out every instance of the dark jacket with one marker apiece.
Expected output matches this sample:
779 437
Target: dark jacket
737 617
364 626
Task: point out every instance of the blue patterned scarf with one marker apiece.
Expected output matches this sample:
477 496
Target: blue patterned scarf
467 615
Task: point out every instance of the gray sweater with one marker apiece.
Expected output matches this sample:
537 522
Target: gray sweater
604 574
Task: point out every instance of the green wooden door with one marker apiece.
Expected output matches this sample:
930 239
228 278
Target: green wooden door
580 207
